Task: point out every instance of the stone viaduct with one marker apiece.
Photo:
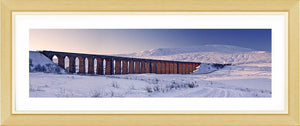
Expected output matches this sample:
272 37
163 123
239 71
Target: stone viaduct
109 65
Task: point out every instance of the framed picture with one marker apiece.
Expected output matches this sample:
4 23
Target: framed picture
96 62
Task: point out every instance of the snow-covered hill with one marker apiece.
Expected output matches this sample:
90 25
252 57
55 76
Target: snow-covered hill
193 49
40 63
206 54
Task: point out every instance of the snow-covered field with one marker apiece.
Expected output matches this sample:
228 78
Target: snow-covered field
249 77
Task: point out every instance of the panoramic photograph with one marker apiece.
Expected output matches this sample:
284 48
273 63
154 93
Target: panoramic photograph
149 63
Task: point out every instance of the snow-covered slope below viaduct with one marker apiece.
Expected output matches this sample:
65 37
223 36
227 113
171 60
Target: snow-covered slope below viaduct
40 63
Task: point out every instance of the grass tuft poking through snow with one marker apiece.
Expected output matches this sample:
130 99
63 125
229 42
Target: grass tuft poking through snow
115 84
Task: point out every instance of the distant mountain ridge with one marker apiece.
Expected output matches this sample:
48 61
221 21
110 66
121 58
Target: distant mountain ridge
207 54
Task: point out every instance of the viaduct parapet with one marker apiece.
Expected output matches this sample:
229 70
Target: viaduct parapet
109 65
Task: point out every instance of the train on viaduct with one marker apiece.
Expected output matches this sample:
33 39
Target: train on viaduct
110 65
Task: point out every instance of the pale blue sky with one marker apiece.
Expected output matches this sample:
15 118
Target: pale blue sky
117 41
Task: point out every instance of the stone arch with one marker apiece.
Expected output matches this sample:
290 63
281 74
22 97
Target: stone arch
190 68
158 67
194 67
117 66
136 67
108 66
86 65
99 66
121 66
95 66
171 68
142 67
163 67
54 59
167 68
113 66
124 66
153 67
179 68
183 68
175 68
81 65
66 63
60 60
104 66
90 65
76 65
147 66
131 66
72 68
186 68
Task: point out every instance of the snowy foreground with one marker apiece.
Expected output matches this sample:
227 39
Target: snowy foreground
248 80
250 76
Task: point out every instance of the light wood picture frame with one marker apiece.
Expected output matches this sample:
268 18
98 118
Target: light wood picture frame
10 6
